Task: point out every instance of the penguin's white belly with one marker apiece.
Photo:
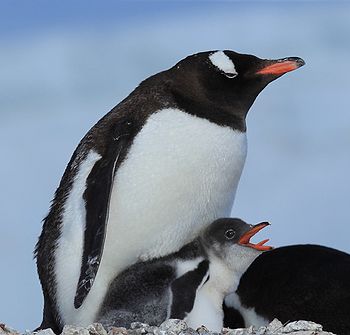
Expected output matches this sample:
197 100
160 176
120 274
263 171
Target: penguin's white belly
180 174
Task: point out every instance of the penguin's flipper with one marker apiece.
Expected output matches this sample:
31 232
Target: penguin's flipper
97 195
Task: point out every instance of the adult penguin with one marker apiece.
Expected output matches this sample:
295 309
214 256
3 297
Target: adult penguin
291 283
160 166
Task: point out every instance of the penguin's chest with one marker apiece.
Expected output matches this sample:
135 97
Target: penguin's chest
180 173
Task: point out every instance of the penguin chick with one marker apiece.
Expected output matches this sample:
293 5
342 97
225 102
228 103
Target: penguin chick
190 284
156 290
230 252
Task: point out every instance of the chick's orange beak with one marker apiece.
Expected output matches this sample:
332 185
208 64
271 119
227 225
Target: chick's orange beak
245 239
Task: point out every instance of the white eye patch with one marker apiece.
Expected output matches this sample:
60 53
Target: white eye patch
223 63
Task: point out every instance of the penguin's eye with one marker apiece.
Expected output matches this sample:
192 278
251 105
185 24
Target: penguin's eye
230 234
230 75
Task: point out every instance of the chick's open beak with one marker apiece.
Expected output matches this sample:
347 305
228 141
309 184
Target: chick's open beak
245 239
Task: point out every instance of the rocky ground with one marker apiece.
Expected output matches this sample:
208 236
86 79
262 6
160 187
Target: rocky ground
179 327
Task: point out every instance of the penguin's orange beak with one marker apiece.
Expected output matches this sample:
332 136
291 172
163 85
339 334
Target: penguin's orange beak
245 239
281 66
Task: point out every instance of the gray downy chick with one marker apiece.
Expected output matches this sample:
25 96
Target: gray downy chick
190 284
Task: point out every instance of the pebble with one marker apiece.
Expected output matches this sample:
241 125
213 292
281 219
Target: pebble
75 330
48 331
96 329
203 330
4 329
189 331
137 325
173 326
275 325
117 331
302 326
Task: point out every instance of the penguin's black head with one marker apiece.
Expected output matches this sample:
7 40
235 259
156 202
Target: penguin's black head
222 85
231 235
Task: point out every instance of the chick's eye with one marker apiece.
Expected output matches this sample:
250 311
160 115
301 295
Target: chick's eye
230 234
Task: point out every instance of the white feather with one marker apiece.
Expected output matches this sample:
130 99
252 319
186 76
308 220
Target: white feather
223 62
184 266
180 174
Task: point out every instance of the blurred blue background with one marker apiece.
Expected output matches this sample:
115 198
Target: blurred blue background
64 64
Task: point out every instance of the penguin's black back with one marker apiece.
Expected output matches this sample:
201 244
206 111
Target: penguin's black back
300 282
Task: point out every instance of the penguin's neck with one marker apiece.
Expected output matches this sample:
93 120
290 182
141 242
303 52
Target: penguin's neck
233 266
220 280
